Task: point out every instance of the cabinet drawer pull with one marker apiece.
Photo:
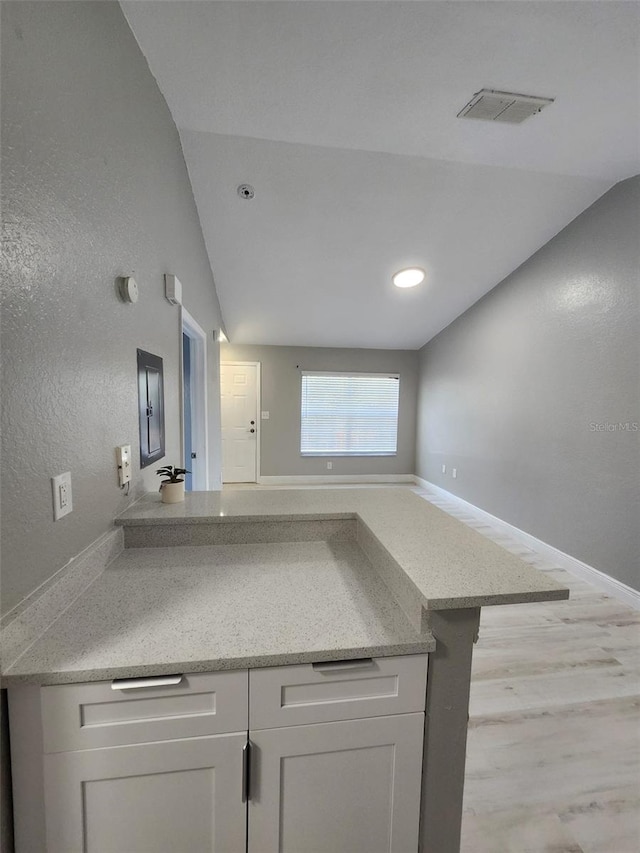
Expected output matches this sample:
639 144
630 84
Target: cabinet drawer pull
149 681
340 665
246 772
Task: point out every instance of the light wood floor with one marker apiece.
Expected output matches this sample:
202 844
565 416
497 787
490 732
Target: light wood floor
553 757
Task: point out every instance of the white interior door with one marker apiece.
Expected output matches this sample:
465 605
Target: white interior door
239 400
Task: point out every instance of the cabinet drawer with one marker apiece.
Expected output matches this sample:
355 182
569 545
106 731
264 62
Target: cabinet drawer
126 711
341 690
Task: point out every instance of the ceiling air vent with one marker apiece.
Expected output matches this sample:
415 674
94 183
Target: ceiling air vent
492 105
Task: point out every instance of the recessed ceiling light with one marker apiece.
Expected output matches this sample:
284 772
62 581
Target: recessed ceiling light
409 277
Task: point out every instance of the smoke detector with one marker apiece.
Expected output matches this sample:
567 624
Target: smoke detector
246 191
509 107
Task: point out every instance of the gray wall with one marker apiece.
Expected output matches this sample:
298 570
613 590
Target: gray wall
280 435
518 391
94 185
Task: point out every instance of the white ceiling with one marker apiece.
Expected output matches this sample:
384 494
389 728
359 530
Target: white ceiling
342 114
309 260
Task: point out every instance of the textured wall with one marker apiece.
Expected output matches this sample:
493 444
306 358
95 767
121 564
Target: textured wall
518 391
94 186
280 435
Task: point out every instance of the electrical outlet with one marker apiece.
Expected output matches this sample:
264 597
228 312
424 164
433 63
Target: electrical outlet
62 496
329 466
454 473
444 469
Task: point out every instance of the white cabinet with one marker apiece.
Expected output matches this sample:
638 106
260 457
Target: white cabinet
344 787
182 795
161 765
130 766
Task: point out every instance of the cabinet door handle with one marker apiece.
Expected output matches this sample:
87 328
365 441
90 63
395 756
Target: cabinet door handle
246 772
149 681
340 665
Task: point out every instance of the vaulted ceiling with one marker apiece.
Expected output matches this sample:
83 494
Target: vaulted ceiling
342 115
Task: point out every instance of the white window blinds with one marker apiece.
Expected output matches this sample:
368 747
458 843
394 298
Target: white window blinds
349 414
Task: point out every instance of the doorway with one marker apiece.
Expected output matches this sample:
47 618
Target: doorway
239 396
194 404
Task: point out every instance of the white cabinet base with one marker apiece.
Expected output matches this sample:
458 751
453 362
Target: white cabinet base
347 787
181 795
96 770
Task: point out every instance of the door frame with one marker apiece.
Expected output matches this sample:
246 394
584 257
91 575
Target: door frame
258 366
200 436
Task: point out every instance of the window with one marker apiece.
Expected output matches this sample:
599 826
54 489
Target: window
346 414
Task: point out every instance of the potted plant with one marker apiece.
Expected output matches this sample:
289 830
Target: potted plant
172 487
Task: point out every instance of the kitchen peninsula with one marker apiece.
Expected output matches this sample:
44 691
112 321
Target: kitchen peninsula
315 613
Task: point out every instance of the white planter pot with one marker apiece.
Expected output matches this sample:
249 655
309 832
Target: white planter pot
172 493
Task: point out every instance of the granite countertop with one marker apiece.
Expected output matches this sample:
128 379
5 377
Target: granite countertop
447 563
155 611
160 610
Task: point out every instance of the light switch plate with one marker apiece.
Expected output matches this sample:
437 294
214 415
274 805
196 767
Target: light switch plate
62 496
265 416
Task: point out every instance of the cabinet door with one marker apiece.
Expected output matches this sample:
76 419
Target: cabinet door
181 796
346 787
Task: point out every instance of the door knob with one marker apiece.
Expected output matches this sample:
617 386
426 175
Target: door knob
252 430
252 423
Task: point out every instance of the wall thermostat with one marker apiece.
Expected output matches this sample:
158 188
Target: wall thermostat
128 288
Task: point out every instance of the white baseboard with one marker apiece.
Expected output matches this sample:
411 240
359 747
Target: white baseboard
584 571
309 480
